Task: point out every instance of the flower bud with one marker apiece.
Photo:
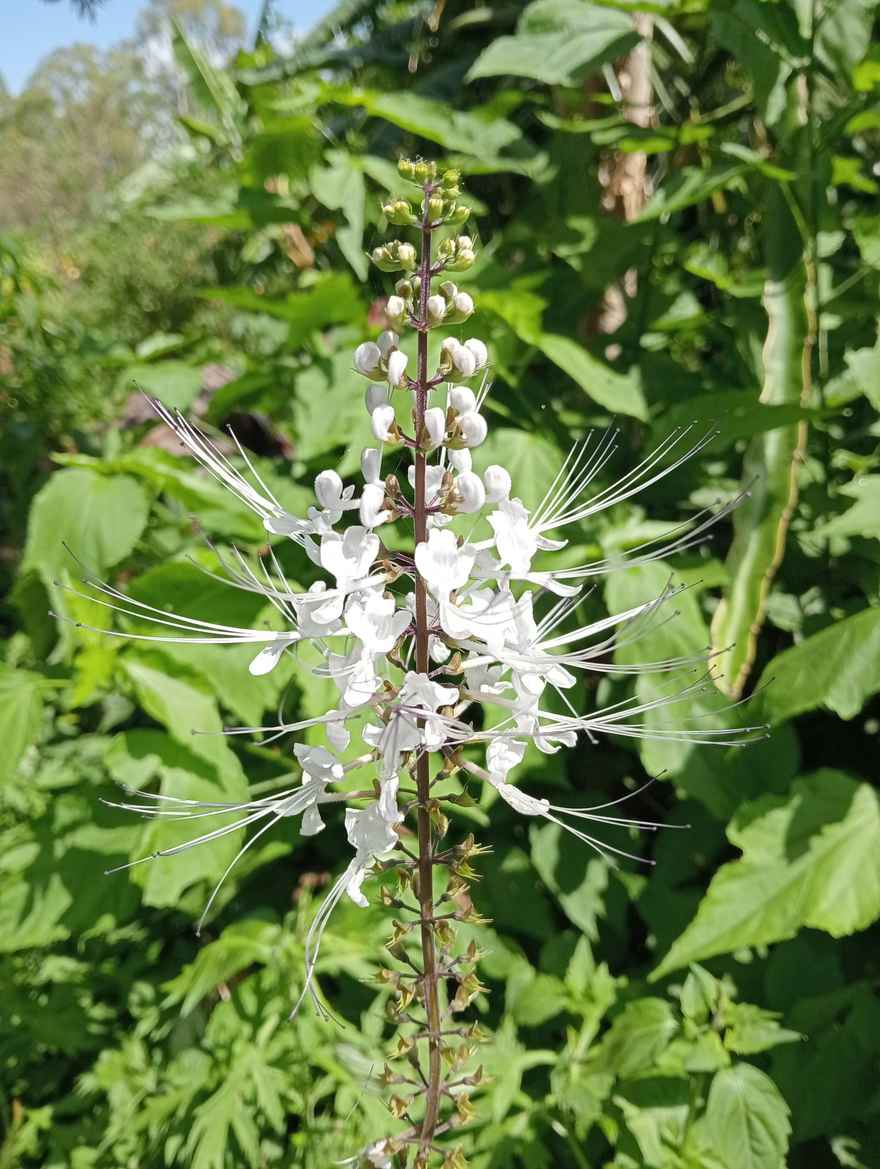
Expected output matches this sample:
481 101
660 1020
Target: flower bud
470 491
387 341
395 309
436 309
328 489
473 428
479 350
448 289
463 305
497 482
425 171
435 425
374 397
372 511
462 399
371 462
406 255
460 459
436 206
384 424
396 368
451 178
464 361
459 214
367 357
406 168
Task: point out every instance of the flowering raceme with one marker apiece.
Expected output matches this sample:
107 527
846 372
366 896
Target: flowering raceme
415 641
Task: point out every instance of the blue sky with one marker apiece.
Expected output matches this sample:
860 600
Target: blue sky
31 29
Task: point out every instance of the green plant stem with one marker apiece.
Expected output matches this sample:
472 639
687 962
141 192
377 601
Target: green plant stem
423 781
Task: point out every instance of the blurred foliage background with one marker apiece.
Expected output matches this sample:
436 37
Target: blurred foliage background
677 209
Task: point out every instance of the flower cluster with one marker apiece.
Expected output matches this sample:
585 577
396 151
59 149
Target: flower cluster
474 612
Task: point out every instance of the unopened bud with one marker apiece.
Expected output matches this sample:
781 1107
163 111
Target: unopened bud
406 254
436 309
375 396
479 350
384 424
367 357
498 483
473 429
471 493
462 399
387 341
436 206
396 368
435 425
395 309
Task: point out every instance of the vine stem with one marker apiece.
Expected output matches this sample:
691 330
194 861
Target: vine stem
423 780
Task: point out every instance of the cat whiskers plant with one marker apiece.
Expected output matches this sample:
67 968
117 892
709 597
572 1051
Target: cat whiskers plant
416 639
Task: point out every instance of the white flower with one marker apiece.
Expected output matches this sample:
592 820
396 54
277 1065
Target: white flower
460 459
396 368
435 425
367 357
318 763
472 428
376 622
270 655
470 491
406 254
516 542
348 557
502 755
498 484
382 421
444 565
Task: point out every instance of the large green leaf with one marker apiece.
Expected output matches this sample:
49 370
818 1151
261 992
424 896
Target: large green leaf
211 87
809 859
559 43
99 517
619 393
838 668
465 133
747 1119
339 185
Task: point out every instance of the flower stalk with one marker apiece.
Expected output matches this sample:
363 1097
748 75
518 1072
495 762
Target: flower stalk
476 612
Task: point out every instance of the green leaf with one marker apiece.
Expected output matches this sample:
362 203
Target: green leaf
240 945
100 518
863 518
558 43
212 88
838 668
747 1119
738 414
809 859
21 716
578 878
466 133
691 185
173 382
176 699
619 393
339 185
332 300
637 1037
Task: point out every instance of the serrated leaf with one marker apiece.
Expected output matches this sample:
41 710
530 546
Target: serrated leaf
838 668
747 1119
809 859
638 1036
